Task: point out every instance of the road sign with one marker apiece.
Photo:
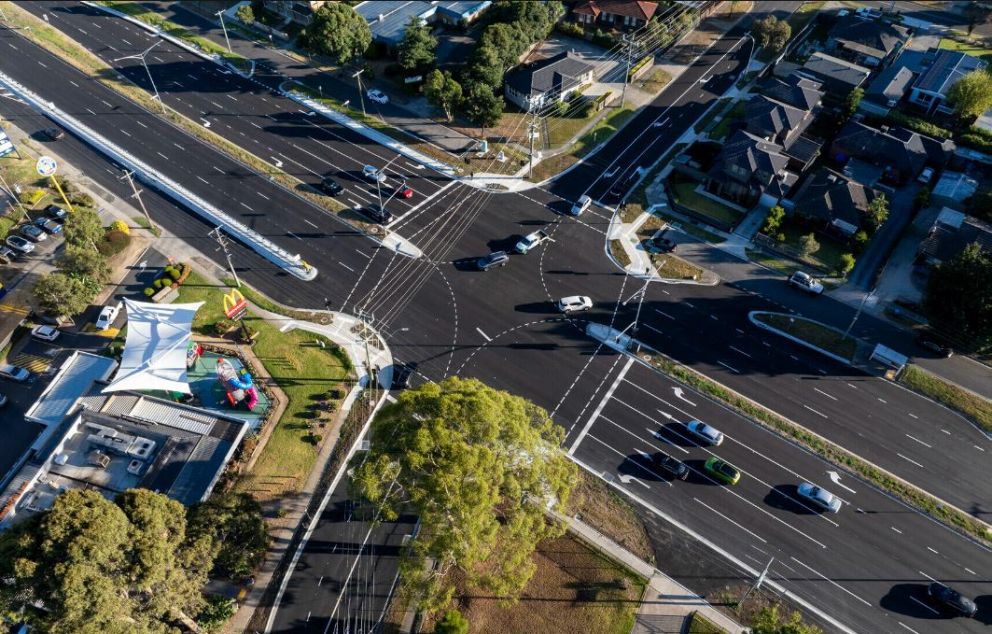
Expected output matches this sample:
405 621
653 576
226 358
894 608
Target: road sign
6 146
46 166
235 305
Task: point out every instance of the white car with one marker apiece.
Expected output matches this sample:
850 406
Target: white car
13 373
574 304
377 96
45 333
373 174
821 498
19 244
705 433
805 282
107 316
581 205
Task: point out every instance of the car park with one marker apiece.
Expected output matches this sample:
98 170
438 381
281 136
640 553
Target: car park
53 134
669 466
574 304
707 434
19 244
45 333
378 214
330 186
372 174
722 470
13 373
404 192
48 225
581 205
820 498
950 600
806 282
56 212
107 317
377 96
34 233
7 255
494 259
934 344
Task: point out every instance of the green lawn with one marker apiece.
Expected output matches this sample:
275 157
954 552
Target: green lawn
971 405
968 48
700 625
656 81
683 191
813 333
826 258
603 130
722 128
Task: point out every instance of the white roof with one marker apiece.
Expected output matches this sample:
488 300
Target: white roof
155 350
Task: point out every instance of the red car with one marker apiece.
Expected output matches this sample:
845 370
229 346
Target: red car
405 192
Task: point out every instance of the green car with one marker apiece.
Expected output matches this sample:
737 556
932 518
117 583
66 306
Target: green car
722 470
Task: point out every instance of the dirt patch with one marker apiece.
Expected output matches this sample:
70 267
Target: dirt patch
598 506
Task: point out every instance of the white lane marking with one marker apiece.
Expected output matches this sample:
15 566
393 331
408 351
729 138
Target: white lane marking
310 223
126 133
830 396
362 253
743 528
907 627
825 578
263 195
926 575
245 206
602 404
852 386
816 412
231 97
924 605
946 432
713 317
896 529
882 400
794 357
734 370
202 179
663 314
970 570
90 111
107 103
217 168
484 335
650 327
74 83
346 266
740 351
179 146
140 123
290 232
162 155
932 550
255 124
126 42
911 460
978 448
919 441
688 304
43 64
914 416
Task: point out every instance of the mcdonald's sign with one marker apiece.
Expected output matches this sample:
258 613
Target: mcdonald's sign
235 305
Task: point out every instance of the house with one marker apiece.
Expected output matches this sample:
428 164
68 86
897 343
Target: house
783 124
951 232
750 170
838 77
871 43
795 90
887 89
296 11
388 19
621 14
943 69
837 201
900 153
953 189
548 81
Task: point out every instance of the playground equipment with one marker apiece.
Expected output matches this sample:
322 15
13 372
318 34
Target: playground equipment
193 352
239 385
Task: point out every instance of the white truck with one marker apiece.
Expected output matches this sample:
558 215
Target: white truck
531 240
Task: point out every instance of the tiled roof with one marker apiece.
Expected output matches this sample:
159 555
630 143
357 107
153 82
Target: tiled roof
639 9
944 242
891 83
831 196
897 149
753 154
947 68
831 68
765 115
559 72
868 37
797 91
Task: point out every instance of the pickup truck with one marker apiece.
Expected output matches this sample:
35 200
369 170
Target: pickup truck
530 241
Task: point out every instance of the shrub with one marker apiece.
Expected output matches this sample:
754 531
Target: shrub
82 199
173 272
570 28
186 270
121 226
223 326
917 125
847 262
975 142
246 14
860 240
780 237
30 197
113 243
149 291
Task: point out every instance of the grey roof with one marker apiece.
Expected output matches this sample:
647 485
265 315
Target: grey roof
956 186
803 149
753 154
836 70
896 149
767 117
946 69
388 18
944 243
797 91
891 83
558 73
868 37
68 386
831 196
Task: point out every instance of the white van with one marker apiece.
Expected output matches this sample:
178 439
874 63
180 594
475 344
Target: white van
581 205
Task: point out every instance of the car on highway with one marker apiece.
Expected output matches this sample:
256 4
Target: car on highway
48 225
377 96
57 213
7 255
934 344
580 205
330 186
806 282
13 373
622 186
494 259
531 240
107 317
820 498
45 333
722 470
574 304
34 233
669 466
19 244
377 214
372 174
53 134
950 600
709 435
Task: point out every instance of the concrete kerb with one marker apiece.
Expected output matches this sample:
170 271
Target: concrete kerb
753 318
639 258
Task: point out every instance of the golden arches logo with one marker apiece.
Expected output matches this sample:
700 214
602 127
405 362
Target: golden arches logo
234 304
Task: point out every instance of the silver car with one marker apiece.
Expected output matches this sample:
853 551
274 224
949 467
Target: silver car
821 498
702 431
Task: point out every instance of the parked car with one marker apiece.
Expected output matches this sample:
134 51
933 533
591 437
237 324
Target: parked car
372 174
821 498
330 186
34 233
925 176
581 205
378 214
45 333
664 245
805 282
56 212
108 316
377 96
709 435
7 255
48 225
19 244
574 304
13 373
622 186
934 344
494 259
404 192
53 134
670 466
722 470
951 600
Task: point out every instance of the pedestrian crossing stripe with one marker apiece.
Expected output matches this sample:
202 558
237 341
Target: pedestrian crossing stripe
31 362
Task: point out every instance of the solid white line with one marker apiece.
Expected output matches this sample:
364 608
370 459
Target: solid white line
919 441
346 266
740 351
663 314
924 605
831 581
728 367
484 335
911 460
907 627
263 195
825 394
896 529
815 412
602 404
752 533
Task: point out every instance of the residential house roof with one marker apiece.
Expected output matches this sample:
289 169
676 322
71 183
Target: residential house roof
803 149
952 232
746 158
795 90
955 186
639 9
834 69
890 84
904 153
388 19
833 197
558 73
872 38
946 68
769 118
938 151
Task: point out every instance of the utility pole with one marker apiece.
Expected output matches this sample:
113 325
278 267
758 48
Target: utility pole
857 313
532 132
361 95
220 14
757 584
629 41
128 174
10 192
222 241
145 64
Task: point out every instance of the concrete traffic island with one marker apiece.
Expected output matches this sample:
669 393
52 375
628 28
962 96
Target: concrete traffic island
827 340
646 248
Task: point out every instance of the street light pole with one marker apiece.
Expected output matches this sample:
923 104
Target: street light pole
629 41
220 14
145 64
222 241
358 76
128 174
857 313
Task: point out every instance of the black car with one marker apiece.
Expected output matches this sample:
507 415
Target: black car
670 466
951 600
622 186
56 212
401 376
494 259
934 344
378 214
52 134
330 186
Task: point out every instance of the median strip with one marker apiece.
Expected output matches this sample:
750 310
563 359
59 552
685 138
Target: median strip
970 405
811 334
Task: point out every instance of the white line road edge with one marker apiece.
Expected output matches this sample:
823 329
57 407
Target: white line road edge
601 406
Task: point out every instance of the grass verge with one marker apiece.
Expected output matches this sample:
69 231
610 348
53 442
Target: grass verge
812 332
684 192
656 81
618 252
700 625
674 268
600 132
142 222
598 505
829 451
970 405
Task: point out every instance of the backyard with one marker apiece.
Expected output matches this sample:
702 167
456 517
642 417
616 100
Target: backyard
683 190
975 49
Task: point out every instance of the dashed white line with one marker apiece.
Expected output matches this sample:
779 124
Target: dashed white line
734 370
255 124
245 206
924 605
140 123
126 133
202 179
162 155
263 195
126 42
346 266
969 570
217 168
74 83
107 103
914 416
978 448
90 111
663 314
310 223
830 581
362 253
919 441
911 460
816 412
907 627
713 317
945 432
882 400
650 327
231 97
896 529
932 550
181 148
740 351
290 233
830 396
42 64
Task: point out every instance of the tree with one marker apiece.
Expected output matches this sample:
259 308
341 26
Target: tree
975 14
852 102
102 566
338 31
770 621
79 260
416 50
486 67
771 33
452 623
971 95
958 298
443 92
774 219
246 14
83 228
980 203
808 245
477 466
847 263
922 198
481 106
508 41
234 522
877 212
61 294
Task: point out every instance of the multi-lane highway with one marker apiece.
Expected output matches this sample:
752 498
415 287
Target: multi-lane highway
445 318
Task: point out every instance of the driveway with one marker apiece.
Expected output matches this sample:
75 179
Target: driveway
608 69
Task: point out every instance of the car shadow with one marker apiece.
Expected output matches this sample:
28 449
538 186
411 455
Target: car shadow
677 434
910 599
541 308
698 474
505 244
984 604
786 497
467 264
639 466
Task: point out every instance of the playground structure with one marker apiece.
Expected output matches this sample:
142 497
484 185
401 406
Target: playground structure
239 386
193 352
